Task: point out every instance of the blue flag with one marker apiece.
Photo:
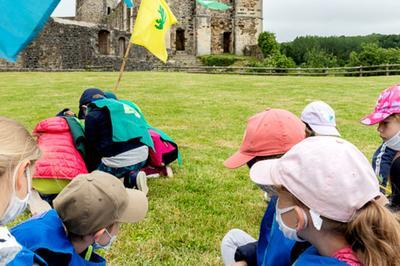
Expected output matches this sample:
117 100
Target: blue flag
20 22
128 3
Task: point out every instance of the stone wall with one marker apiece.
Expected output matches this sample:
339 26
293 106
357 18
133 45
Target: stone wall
184 12
90 10
242 24
220 25
101 31
203 35
66 44
121 17
248 23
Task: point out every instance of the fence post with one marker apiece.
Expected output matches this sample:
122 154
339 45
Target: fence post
387 69
361 71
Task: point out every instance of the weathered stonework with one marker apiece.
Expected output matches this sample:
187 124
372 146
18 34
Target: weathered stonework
100 32
67 44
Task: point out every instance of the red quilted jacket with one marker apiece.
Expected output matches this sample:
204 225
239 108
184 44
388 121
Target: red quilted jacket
60 158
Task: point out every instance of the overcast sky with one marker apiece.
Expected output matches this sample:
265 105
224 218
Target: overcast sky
292 18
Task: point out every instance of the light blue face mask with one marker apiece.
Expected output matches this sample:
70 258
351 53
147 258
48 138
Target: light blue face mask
106 246
394 142
16 205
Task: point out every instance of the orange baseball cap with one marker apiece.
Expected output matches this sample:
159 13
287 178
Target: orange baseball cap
271 132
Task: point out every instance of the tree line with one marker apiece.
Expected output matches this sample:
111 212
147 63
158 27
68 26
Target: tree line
334 51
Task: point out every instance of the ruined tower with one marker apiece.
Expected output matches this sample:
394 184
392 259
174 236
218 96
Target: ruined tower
199 31
99 35
93 10
248 23
202 31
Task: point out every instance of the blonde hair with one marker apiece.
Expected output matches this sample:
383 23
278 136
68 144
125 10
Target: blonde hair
396 116
16 144
373 233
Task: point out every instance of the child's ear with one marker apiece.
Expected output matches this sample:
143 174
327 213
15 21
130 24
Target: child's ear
301 219
21 183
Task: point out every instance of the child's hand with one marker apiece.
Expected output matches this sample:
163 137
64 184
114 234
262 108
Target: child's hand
69 113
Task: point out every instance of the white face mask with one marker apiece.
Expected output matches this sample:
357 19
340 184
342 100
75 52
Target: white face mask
287 231
106 246
16 205
394 142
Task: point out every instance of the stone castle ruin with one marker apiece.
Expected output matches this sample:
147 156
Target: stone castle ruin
100 31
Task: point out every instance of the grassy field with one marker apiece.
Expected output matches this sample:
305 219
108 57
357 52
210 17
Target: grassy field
206 114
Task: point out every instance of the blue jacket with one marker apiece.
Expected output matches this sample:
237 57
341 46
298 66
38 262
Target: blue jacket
273 247
27 257
311 257
386 162
45 235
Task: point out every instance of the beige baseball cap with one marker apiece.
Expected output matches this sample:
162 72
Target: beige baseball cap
94 201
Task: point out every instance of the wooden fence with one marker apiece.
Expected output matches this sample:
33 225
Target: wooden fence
360 71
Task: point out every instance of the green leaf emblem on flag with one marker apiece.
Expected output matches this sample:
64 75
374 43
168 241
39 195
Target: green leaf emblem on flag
163 18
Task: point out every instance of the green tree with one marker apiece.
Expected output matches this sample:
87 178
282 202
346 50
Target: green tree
371 54
268 44
392 56
317 58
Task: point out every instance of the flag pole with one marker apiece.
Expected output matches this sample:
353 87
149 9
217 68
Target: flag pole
122 67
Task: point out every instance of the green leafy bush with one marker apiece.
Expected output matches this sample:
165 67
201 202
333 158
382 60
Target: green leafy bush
218 60
268 44
316 58
276 61
372 54
281 61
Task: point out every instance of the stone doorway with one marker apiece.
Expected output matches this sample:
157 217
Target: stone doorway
121 44
180 40
227 42
104 42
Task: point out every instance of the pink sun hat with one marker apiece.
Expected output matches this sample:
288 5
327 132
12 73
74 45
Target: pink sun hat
327 174
388 104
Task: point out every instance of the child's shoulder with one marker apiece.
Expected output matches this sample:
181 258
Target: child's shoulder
311 257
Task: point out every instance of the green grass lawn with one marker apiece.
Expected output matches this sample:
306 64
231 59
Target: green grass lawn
206 114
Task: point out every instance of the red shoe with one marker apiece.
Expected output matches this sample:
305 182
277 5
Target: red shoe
151 172
155 172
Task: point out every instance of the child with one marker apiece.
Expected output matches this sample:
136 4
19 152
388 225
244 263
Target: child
330 197
18 154
385 160
165 149
268 135
61 140
119 135
86 216
320 120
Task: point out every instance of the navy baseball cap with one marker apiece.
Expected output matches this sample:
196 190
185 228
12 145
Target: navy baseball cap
87 97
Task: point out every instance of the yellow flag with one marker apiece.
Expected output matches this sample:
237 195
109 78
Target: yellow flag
152 23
